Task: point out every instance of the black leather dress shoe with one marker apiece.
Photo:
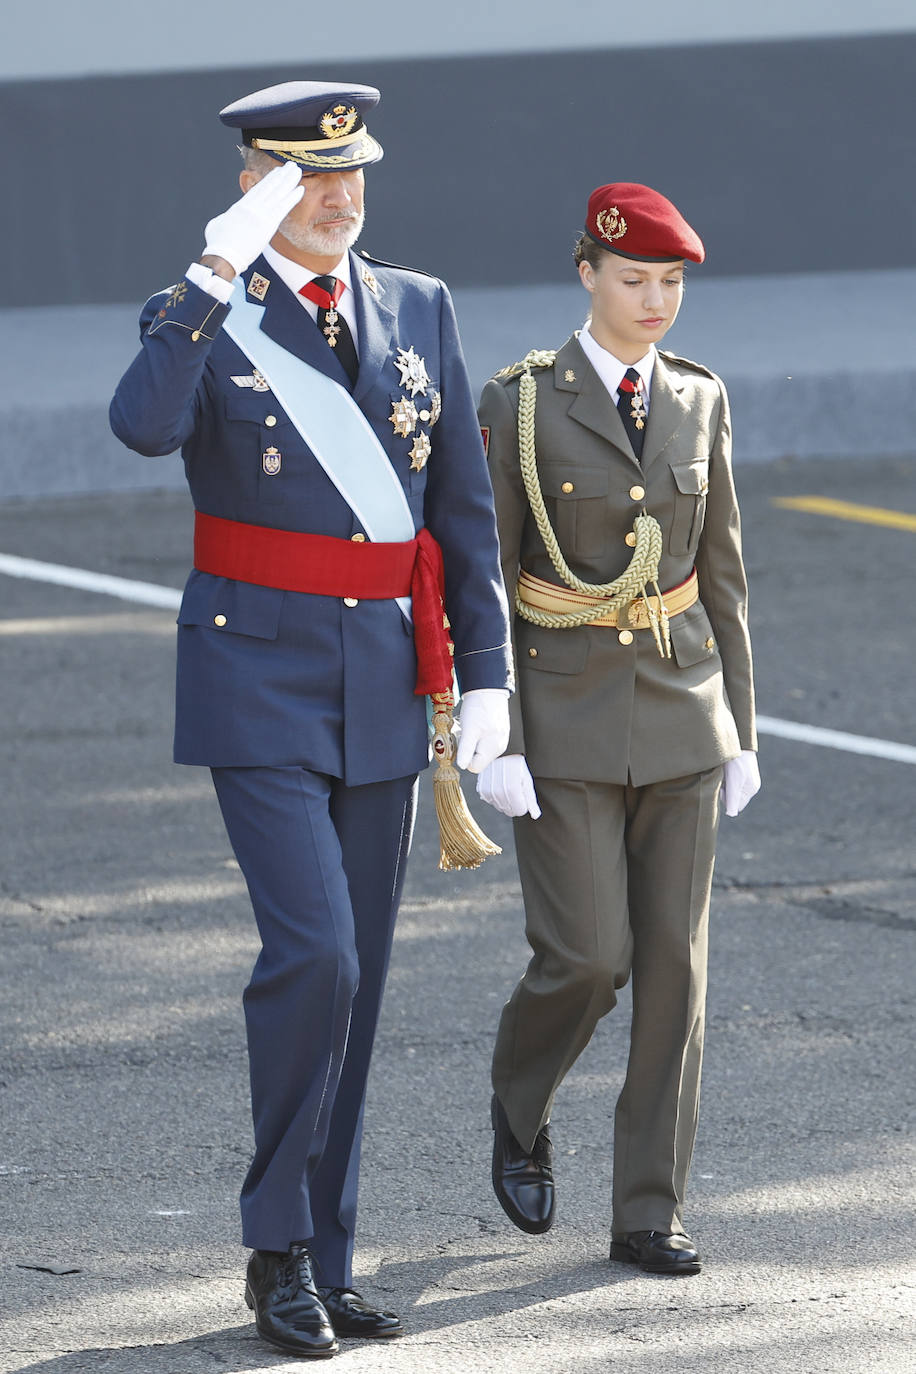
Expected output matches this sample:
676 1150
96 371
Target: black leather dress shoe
351 1315
522 1182
288 1312
657 1252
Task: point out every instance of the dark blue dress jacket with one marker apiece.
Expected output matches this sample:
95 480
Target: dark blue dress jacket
270 677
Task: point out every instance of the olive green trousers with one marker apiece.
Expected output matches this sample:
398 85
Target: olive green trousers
616 879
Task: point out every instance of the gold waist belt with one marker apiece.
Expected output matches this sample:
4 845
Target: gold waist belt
545 596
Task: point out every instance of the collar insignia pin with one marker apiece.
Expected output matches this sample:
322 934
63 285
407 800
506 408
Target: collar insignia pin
369 280
258 285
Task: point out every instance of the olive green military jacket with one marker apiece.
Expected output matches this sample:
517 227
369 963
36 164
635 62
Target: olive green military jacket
588 706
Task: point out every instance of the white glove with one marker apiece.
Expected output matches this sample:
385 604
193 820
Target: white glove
241 232
740 782
507 784
484 732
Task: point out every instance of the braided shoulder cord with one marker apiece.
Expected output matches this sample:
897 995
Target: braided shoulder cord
612 596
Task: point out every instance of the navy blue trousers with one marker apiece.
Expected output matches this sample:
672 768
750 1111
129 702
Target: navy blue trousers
324 864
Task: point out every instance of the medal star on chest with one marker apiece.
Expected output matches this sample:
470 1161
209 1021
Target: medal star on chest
421 450
414 377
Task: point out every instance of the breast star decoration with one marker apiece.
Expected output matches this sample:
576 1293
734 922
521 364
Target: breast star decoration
421 450
414 377
403 416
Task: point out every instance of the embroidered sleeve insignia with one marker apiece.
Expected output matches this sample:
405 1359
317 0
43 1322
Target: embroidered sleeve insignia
177 294
414 377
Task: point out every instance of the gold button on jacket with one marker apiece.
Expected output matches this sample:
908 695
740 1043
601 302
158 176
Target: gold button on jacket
219 620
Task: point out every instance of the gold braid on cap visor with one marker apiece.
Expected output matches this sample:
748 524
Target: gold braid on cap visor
302 152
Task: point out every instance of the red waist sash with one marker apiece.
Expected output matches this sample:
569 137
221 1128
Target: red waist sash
324 566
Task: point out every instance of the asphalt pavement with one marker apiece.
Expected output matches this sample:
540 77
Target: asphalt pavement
127 939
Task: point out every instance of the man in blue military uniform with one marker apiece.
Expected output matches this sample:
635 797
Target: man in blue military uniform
332 450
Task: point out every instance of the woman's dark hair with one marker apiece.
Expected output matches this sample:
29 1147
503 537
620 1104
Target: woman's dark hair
587 250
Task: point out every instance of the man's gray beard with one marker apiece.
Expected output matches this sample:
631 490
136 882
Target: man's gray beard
322 240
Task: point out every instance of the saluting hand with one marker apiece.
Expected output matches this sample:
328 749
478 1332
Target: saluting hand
240 233
507 785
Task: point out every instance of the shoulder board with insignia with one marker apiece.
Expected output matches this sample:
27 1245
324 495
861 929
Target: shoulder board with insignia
398 266
687 362
538 357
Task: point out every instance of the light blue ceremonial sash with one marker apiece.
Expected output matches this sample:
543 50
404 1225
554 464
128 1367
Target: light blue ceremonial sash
332 425
330 422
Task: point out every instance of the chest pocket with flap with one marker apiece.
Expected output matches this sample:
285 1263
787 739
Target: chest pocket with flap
576 500
691 481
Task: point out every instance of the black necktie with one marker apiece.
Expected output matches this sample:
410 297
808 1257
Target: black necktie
326 292
632 407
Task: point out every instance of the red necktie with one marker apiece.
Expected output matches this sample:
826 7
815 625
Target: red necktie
326 293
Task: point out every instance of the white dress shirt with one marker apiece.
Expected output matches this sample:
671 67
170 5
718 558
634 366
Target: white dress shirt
612 371
293 275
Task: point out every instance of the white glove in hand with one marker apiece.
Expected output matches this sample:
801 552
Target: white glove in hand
484 733
241 232
740 782
508 785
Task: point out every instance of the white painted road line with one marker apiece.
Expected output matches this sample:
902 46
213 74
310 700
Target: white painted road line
145 593
837 739
149 594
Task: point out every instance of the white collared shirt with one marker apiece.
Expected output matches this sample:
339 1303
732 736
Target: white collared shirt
295 276
611 370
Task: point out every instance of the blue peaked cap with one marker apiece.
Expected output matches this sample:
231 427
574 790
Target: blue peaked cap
319 124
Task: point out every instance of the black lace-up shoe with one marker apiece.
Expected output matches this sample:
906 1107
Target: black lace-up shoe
522 1182
351 1315
657 1252
288 1312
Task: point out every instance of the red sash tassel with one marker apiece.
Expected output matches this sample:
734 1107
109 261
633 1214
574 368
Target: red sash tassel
324 566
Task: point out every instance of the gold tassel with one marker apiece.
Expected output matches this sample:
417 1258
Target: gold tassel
666 626
462 843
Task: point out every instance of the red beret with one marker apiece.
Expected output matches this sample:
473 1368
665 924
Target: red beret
637 222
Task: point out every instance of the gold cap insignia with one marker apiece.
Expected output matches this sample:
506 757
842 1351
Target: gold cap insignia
258 285
338 121
611 224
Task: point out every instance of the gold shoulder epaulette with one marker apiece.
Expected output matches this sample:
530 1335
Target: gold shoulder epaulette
537 357
688 362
